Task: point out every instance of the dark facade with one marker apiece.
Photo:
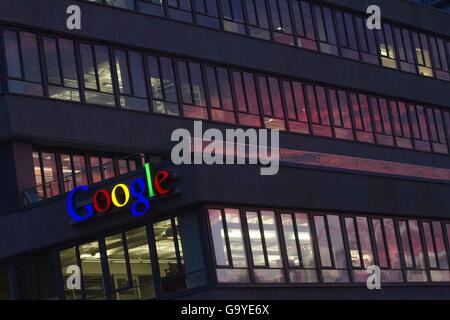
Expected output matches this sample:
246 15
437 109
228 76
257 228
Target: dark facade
364 120
439 4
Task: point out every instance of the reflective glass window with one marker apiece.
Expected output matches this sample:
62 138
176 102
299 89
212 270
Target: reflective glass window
131 80
97 74
22 61
164 90
62 75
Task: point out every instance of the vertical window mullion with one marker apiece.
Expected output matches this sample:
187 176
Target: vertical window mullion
315 244
263 239
330 245
176 239
227 238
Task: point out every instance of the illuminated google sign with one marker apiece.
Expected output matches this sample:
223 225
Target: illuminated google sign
141 190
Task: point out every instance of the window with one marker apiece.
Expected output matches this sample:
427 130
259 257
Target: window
180 10
402 131
387 251
423 56
265 246
258 21
413 253
164 90
192 90
67 258
419 127
271 103
126 4
342 121
131 80
299 247
153 7
304 25
439 58
233 16
62 75
140 263
170 255
45 174
74 171
347 35
318 108
331 248
281 21
405 50
362 117
207 13
5 288
97 74
436 251
367 42
382 121
360 247
437 133
246 100
117 264
387 48
229 249
219 89
22 61
325 30
91 268
295 107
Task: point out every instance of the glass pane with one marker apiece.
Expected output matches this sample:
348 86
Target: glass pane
30 57
236 238
337 242
68 257
67 53
218 235
38 175
50 174
305 238
92 270
364 239
79 167
290 240
271 239
103 67
115 253
52 61
255 239
141 268
165 247
353 242
322 239
12 54
440 245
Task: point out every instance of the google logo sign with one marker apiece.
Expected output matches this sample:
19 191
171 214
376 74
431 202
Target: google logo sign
141 189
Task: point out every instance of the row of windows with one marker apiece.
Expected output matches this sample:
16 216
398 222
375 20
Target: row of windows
140 263
62 171
268 246
312 26
204 91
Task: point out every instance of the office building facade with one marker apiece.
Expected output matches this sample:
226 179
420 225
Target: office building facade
86 118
